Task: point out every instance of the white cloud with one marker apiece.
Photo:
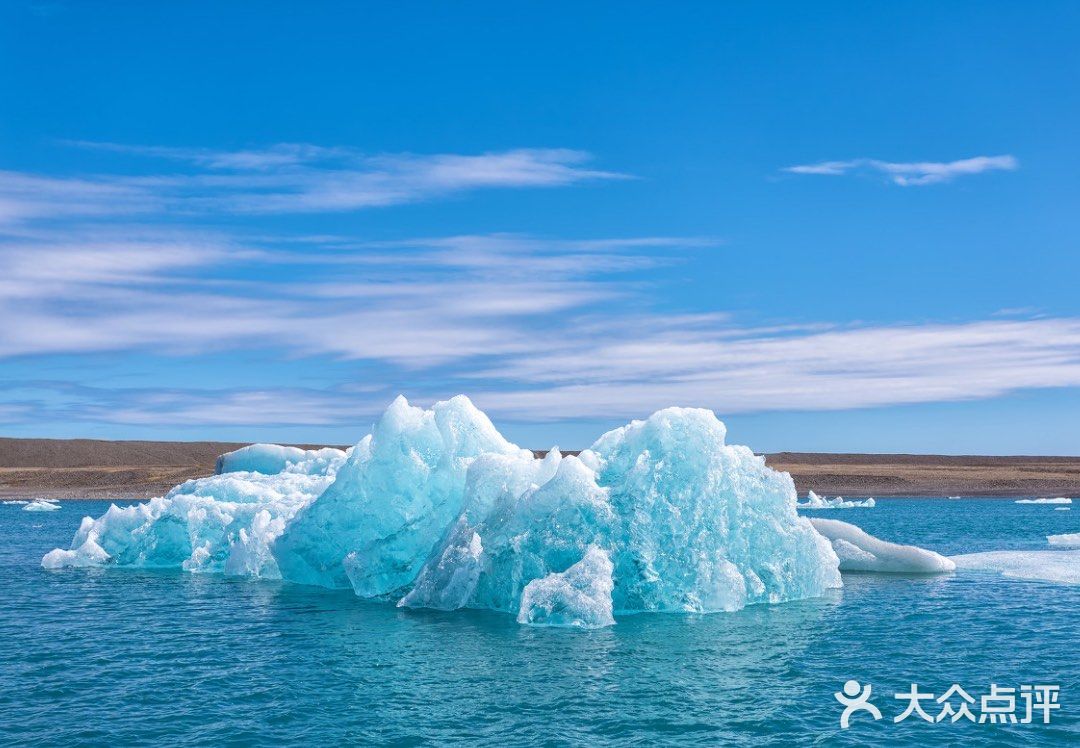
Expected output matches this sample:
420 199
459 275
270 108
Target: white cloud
287 178
912 173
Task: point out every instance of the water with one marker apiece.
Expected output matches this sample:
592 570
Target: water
120 657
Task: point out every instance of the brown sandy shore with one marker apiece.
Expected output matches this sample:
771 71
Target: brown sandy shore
92 469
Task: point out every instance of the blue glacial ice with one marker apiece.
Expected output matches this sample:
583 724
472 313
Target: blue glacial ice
435 509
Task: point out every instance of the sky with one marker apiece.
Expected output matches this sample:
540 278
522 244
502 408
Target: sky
841 226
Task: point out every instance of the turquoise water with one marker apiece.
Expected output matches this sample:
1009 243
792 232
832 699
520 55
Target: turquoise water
120 657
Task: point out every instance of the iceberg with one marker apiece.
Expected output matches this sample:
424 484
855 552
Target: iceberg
1061 567
1068 539
813 501
41 505
434 508
1058 500
860 551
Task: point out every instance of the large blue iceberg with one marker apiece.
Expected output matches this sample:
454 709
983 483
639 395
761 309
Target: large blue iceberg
436 509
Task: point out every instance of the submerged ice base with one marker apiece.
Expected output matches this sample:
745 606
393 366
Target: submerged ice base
436 509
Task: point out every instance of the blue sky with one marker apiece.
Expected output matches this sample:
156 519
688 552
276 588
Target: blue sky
845 227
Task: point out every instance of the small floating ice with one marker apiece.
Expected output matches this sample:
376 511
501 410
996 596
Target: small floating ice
1058 500
813 501
1062 509
1068 539
16 501
1062 567
860 551
41 506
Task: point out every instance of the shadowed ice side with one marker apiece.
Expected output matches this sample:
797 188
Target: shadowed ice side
436 509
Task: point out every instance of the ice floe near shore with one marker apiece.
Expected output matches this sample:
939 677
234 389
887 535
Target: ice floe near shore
1062 567
1058 500
436 509
41 505
860 551
813 501
1067 539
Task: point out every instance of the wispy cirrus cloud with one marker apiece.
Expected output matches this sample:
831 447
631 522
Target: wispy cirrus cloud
285 178
95 289
598 370
909 174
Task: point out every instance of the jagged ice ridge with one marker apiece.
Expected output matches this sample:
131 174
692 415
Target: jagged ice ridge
434 508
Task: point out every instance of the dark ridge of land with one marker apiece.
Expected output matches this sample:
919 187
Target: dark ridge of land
101 469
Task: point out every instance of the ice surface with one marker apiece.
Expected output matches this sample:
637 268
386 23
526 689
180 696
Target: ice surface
813 501
42 505
1062 567
860 551
1070 539
393 499
579 596
271 459
1058 500
435 508
688 523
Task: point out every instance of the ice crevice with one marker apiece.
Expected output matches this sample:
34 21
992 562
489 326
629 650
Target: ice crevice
436 509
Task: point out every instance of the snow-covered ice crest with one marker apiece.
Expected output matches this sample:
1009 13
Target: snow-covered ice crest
434 508
813 501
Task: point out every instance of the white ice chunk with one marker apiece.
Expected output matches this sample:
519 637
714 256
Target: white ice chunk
271 459
1058 500
43 505
223 523
579 596
1062 567
1069 539
813 501
860 551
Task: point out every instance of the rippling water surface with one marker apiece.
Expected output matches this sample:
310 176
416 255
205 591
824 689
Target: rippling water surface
117 657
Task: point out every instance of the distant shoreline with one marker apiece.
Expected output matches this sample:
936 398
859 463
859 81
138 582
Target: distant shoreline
99 469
